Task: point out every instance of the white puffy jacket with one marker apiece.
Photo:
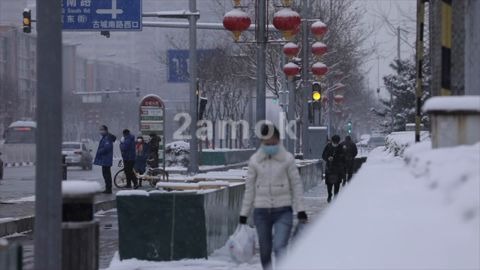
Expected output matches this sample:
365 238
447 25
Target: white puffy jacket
272 181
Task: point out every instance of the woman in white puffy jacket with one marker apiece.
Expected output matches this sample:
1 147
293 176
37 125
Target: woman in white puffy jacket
274 189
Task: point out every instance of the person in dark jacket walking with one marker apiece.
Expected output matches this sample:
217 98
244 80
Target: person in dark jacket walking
141 155
127 147
104 157
351 151
334 156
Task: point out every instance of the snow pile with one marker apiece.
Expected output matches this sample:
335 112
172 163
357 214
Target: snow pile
177 154
419 214
75 188
132 193
220 259
455 103
453 173
397 142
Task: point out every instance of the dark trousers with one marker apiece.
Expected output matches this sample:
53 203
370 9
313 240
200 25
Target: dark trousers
349 169
279 220
107 177
335 188
131 178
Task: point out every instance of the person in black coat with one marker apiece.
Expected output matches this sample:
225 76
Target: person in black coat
334 157
154 147
351 151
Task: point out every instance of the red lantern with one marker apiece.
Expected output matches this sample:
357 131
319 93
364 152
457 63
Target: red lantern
319 69
236 21
287 21
339 86
291 70
338 98
319 29
319 49
324 98
291 50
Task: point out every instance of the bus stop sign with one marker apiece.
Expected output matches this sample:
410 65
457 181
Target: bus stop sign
152 120
102 15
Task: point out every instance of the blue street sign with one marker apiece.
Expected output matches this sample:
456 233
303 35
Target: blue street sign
102 15
178 61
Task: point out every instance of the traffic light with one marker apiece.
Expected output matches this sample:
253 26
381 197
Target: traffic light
27 21
316 91
349 127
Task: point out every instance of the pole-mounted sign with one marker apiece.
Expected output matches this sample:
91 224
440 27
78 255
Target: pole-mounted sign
152 120
102 15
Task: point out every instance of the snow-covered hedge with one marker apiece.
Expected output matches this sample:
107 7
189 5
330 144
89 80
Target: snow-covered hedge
397 142
177 154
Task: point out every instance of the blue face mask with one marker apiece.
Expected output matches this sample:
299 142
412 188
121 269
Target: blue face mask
270 150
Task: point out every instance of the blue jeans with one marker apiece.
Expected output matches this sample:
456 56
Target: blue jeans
281 221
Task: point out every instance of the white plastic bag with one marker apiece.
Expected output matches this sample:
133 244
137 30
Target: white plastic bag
242 244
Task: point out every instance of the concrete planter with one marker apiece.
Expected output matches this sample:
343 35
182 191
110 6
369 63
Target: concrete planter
454 120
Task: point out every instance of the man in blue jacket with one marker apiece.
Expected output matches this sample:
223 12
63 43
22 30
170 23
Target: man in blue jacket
127 147
104 157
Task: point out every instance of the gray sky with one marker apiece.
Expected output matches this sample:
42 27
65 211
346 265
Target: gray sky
399 13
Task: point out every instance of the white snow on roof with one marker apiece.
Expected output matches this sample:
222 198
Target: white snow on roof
290 45
132 193
318 24
177 185
23 124
319 44
453 103
73 188
318 128
319 65
291 65
286 12
236 13
213 183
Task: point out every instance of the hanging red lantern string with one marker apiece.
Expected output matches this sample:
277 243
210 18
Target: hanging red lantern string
319 29
319 49
319 69
287 21
236 21
338 99
291 70
291 50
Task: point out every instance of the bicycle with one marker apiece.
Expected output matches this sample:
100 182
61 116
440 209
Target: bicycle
151 175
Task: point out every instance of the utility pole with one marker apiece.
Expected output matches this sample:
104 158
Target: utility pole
398 43
193 166
48 202
261 37
419 65
305 73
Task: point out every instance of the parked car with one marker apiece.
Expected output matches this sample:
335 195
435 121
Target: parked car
1 166
376 141
77 154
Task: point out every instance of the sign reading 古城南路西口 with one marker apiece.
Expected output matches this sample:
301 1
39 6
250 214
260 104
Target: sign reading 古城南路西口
102 15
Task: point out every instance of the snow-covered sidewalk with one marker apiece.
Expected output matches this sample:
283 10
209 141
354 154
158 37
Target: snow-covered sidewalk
417 212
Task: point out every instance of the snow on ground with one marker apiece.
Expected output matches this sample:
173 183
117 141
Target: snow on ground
219 260
20 200
419 214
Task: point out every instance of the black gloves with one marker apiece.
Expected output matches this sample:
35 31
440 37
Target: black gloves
242 220
302 216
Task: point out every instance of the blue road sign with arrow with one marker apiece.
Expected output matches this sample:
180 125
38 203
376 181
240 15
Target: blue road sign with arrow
102 15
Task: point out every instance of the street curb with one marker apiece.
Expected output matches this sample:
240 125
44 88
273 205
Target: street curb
26 224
